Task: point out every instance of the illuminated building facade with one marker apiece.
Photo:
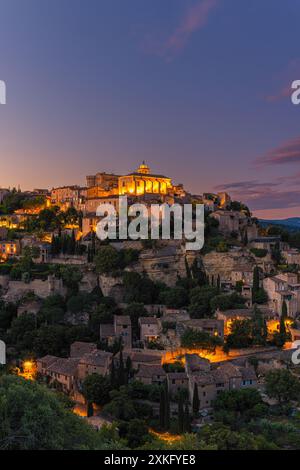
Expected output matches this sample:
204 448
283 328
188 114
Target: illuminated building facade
144 182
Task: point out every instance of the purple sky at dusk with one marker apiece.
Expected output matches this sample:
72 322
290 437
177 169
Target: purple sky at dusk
200 89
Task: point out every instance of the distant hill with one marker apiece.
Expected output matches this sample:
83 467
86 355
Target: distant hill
292 223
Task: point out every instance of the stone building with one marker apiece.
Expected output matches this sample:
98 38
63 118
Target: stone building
211 380
96 362
143 181
120 329
151 375
149 329
67 196
284 287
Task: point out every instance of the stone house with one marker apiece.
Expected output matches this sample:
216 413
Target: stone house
59 370
291 256
212 326
9 248
284 287
177 381
142 357
149 329
80 348
121 328
96 362
151 375
241 314
213 380
235 222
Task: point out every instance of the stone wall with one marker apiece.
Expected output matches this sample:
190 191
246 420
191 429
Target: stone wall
15 290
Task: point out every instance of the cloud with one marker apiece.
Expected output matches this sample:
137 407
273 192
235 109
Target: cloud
259 196
291 180
195 18
289 152
244 185
285 92
284 82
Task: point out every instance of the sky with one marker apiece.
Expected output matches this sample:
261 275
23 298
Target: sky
199 89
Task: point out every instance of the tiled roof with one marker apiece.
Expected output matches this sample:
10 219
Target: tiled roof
79 348
97 358
150 371
64 366
177 375
229 370
47 360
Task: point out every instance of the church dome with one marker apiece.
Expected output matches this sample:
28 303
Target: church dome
143 168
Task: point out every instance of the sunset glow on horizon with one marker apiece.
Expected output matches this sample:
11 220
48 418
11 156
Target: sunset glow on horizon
103 87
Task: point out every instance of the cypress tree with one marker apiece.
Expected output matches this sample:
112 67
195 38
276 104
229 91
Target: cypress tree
187 419
265 330
218 282
128 367
112 374
167 406
180 415
284 310
121 378
196 401
255 282
162 409
282 328
90 409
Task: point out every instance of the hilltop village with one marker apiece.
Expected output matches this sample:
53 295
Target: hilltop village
161 341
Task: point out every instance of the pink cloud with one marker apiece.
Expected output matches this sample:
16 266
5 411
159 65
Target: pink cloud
289 152
195 18
284 82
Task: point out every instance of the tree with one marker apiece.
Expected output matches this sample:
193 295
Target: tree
181 414
106 260
196 401
167 406
194 339
240 334
135 432
96 388
255 282
282 385
34 418
121 370
200 298
237 407
176 297
281 336
227 301
121 405
135 310
112 375
284 310
259 330
223 438
71 277
162 406
186 419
